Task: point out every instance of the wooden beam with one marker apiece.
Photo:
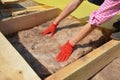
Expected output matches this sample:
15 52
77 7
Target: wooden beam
14 24
14 11
90 64
29 9
10 1
12 65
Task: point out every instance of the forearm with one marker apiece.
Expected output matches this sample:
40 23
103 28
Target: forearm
82 33
103 14
68 10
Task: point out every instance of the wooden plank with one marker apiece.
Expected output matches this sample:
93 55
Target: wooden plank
10 1
14 24
8 10
110 72
12 65
20 11
29 9
90 64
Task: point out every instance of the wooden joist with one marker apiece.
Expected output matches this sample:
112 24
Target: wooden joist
22 10
12 65
10 1
14 24
29 9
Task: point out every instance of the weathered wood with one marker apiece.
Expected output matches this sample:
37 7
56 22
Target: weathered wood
29 9
10 1
20 8
88 65
14 24
12 65
19 11
110 72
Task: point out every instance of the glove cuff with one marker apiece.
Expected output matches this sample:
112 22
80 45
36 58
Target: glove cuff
68 43
54 24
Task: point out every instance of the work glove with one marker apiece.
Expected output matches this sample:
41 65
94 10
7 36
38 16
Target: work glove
50 30
65 52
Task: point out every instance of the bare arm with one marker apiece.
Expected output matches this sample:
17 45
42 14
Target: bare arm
82 33
68 10
68 47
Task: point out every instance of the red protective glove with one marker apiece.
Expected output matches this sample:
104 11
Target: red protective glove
66 51
51 29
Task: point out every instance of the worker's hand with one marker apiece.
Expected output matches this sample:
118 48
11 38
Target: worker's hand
65 52
50 30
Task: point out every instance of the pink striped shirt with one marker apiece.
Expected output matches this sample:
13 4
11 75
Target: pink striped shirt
105 12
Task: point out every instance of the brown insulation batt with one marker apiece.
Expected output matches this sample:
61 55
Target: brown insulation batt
45 48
